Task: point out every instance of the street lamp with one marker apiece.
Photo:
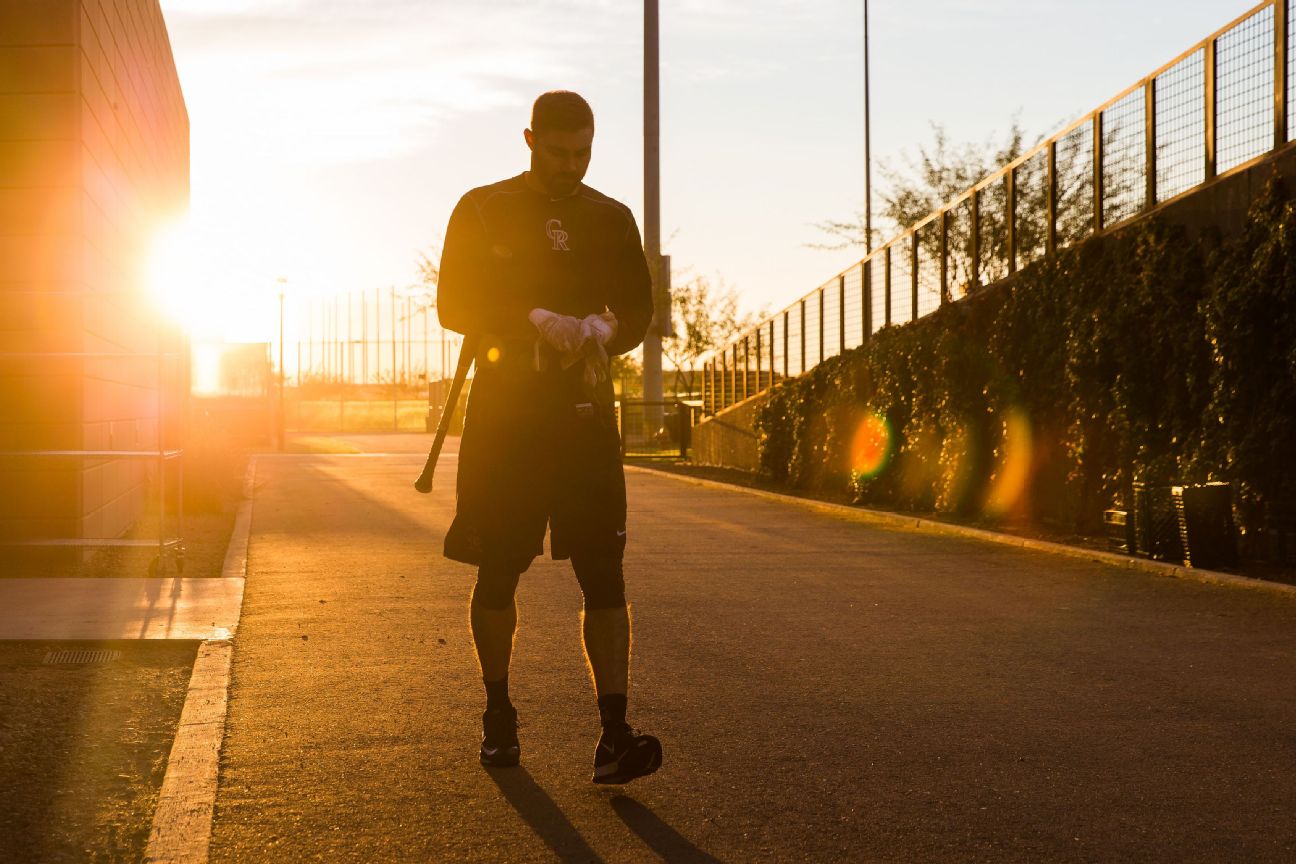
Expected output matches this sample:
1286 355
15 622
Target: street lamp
868 163
281 282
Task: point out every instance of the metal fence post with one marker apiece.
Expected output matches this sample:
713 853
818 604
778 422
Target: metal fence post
787 355
974 243
722 375
886 289
1280 73
733 371
706 389
1210 108
1149 139
802 330
1051 194
771 353
944 258
821 325
866 301
1010 205
841 314
759 358
913 275
746 385
1097 172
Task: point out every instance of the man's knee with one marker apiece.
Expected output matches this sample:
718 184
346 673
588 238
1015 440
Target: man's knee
496 587
602 580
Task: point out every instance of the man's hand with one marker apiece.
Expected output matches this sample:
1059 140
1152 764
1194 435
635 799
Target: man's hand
599 328
577 339
562 332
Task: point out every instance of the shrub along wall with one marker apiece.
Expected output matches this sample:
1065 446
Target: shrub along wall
1147 355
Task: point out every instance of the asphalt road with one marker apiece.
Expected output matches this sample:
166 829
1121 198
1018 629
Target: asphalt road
825 691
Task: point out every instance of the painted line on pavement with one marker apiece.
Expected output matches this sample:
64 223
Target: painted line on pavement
182 823
899 520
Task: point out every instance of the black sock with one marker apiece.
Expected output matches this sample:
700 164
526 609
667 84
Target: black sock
497 694
612 710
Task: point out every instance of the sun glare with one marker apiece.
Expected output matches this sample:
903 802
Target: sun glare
173 275
1013 472
871 446
193 282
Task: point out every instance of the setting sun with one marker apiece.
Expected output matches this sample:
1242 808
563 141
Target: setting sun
194 279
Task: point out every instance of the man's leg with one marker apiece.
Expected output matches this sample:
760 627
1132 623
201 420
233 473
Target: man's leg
493 617
493 631
621 755
607 648
605 625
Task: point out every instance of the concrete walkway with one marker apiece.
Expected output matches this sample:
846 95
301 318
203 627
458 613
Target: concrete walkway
825 691
125 608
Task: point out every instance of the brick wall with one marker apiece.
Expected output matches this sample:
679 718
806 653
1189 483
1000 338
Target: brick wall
93 159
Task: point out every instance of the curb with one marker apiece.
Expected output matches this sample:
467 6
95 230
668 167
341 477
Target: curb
182 822
931 526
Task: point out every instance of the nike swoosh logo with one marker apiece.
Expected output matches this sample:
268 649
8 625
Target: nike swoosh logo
621 533
490 751
608 747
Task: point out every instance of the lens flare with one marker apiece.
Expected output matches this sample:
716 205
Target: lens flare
493 355
871 446
1013 468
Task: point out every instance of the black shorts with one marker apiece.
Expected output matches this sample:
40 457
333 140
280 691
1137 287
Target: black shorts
538 451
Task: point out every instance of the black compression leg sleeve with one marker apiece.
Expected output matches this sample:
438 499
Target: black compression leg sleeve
495 586
601 580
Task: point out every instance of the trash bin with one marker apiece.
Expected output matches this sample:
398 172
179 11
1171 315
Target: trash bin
1156 524
1206 530
1120 531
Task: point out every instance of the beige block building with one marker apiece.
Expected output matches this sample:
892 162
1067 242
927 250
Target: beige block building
94 159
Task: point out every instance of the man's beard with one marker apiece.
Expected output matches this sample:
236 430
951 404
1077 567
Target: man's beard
563 184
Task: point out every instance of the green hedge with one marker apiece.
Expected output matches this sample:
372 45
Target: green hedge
1147 355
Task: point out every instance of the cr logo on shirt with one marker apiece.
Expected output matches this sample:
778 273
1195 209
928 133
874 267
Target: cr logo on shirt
555 232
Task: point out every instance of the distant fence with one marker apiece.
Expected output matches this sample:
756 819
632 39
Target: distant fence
1216 108
656 428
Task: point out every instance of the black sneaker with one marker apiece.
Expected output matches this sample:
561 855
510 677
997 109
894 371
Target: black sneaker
499 746
624 754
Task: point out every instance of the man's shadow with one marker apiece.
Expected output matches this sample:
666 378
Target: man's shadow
544 816
539 811
671 845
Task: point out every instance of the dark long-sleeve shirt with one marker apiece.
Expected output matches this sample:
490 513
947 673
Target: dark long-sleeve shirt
540 444
510 249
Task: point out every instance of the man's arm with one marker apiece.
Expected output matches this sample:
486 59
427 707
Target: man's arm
630 299
472 294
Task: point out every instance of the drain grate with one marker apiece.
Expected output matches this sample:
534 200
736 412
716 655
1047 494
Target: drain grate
81 656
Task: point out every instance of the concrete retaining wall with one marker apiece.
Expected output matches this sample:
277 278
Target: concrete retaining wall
728 439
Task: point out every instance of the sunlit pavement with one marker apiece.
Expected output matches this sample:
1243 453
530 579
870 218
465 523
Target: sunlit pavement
119 608
824 690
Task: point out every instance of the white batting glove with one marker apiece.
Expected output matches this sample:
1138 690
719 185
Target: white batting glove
599 328
562 332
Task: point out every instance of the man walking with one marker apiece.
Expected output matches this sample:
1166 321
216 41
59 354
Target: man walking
547 278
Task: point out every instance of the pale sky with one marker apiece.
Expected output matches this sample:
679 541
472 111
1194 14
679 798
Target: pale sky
331 138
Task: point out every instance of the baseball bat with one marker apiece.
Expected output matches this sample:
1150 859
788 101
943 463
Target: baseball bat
466 355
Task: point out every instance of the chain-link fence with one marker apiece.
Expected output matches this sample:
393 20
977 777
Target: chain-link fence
1227 101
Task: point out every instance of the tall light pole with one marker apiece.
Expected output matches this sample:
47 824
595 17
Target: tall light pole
868 162
395 383
652 353
281 282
